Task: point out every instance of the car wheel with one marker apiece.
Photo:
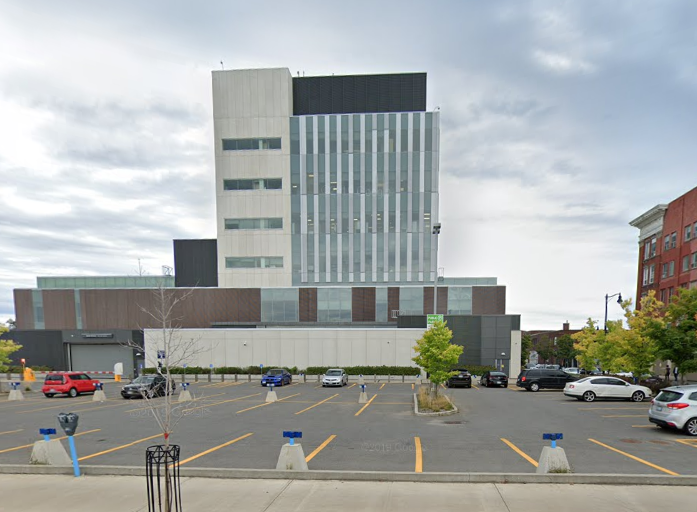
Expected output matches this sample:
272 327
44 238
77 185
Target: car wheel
469 386
638 396
505 385
534 387
691 427
72 393
49 395
588 396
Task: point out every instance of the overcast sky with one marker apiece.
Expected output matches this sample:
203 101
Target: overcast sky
561 122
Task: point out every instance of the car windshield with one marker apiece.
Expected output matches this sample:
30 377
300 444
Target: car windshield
143 380
585 379
497 374
334 373
274 372
668 396
54 378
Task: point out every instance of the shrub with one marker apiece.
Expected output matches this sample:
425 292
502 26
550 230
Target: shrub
367 370
428 402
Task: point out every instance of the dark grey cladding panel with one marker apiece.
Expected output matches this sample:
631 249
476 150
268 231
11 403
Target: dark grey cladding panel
39 348
196 263
354 94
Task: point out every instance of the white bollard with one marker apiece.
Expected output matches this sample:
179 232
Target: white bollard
363 397
361 380
98 396
292 457
50 453
185 394
15 393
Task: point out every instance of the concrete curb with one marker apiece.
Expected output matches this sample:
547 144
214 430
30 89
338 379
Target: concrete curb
455 410
368 476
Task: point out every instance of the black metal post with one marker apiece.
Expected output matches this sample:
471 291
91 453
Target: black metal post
162 476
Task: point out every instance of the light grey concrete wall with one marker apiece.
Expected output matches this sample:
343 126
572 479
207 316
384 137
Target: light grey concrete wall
253 103
288 347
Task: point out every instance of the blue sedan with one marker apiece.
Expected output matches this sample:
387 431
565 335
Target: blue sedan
277 377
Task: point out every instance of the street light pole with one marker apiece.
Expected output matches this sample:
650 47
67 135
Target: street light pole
607 298
436 232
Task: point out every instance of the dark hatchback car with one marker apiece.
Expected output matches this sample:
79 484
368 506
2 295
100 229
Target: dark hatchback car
461 379
534 380
494 379
147 386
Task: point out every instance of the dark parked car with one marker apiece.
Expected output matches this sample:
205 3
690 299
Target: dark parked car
534 380
494 379
277 377
148 386
461 379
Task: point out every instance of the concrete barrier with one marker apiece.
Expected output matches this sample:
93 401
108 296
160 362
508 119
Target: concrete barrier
99 396
553 460
15 394
50 453
292 458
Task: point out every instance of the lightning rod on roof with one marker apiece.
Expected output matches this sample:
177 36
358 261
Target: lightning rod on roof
222 66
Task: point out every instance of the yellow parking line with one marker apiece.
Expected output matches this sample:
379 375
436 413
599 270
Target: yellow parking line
688 442
219 403
320 448
11 431
520 452
351 386
119 447
214 449
146 406
366 405
624 416
412 387
32 444
318 403
267 403
419 464
475 387
634 458
383 385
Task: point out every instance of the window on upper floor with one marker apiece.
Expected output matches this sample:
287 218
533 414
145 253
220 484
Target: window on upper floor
664 272
653 247
254 262
666 243
663 295
254 184
652 274
694 260
647 250
251 144
674 240
671 269
271 223
688 232
685 263
646 276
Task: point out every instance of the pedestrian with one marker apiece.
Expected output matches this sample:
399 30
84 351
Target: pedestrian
667 373
676 371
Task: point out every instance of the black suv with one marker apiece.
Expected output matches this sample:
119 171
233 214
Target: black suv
148 386
463 378
534 380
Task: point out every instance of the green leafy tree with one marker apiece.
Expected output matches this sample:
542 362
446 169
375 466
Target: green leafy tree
565 349
525 347
587 342
436 355
677 340
637 345
7 347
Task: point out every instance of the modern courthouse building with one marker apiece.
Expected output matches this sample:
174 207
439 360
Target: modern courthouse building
327 234
668 247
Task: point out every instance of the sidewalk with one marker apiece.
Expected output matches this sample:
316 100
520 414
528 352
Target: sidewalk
30 493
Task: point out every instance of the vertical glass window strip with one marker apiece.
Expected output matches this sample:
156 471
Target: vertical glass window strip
392 134
356 134
322 257
333 186
309 141
310 215
78 310
392 254
345 256
368 257
332 134
380 255
416 132
381 133
356 255
321 176
357 174
381 305
368 134
345 134
310 174
344 174
320 134
38 306
368 173
403 254
403 172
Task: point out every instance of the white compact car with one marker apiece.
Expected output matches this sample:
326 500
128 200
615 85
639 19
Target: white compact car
335 377
676 407
590 388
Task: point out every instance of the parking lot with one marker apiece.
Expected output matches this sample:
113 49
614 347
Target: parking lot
230 425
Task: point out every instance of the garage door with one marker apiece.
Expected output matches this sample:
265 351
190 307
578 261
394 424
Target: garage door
100 358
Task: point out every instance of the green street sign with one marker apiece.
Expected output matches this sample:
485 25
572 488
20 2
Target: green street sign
432 319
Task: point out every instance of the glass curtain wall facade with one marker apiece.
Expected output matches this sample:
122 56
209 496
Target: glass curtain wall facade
364 196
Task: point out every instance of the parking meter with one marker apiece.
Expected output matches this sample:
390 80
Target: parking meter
68 422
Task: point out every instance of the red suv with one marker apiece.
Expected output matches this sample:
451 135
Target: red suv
71 384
